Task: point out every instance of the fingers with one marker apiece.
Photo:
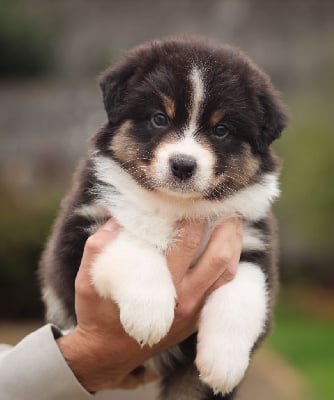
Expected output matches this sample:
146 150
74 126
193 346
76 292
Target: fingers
184 248
219 262
98 241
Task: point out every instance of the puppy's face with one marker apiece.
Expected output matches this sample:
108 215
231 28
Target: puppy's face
189 119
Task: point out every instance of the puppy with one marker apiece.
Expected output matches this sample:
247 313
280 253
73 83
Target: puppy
188 135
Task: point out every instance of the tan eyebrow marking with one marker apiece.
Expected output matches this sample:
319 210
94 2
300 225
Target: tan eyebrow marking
169 106
241 169
217 116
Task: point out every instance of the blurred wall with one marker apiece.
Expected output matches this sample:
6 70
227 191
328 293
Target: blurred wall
50 105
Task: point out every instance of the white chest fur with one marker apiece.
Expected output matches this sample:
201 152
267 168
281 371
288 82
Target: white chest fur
153 216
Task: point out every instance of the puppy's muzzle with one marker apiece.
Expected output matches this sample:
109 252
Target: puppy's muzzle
182 166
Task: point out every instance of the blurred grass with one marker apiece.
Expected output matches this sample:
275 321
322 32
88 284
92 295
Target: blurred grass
306 341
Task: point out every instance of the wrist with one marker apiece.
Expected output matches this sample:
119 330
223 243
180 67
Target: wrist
79 352
98 364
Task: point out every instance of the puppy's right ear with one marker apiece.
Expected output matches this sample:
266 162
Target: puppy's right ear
114 83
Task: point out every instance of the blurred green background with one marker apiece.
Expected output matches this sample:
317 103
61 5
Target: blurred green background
51 54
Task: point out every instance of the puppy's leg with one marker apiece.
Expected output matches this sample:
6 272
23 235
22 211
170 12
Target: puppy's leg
184 384
136 276
231 322
180 377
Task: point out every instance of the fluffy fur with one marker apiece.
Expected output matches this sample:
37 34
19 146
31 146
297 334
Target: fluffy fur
188 135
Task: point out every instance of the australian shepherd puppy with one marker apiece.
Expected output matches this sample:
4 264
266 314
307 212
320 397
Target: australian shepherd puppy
188 135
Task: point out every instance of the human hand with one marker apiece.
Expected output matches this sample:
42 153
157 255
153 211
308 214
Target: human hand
99 351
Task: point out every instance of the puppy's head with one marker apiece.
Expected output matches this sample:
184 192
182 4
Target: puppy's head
189 118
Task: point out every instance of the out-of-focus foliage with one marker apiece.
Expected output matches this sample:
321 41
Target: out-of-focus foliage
23 231
28 45
306 342
306 207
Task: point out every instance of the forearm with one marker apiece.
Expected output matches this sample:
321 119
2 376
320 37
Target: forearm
35 369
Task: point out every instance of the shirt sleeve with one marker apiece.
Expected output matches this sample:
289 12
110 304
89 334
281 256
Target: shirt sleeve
36 369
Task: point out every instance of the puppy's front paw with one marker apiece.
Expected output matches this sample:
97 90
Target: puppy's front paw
147 316
231 322
136 276
221 365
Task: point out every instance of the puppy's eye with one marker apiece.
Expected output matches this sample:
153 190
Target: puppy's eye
160 120
221 131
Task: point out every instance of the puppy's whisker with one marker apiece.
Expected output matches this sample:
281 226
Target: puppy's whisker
124 163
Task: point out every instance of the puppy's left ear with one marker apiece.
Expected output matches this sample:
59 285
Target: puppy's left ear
274 118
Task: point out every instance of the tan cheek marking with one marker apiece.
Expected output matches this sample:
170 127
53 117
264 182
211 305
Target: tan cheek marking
169 106
241 169
217 116
122 144
251 164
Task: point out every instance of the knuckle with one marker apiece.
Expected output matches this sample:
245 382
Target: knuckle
231 271
95 243
82 287
183 312
222 259
228 275
192 242
234 266
185 309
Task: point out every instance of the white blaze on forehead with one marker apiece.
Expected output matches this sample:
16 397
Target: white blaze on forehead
196 79
188 144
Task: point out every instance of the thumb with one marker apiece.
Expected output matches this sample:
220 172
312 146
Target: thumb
95 244
184 248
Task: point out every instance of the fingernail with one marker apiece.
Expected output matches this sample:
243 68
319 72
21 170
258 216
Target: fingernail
111 225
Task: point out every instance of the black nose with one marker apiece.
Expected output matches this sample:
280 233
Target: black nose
183 166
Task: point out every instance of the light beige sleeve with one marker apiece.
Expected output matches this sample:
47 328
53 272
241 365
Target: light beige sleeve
35 369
